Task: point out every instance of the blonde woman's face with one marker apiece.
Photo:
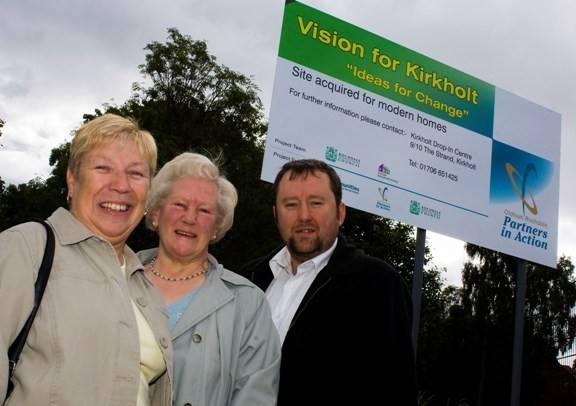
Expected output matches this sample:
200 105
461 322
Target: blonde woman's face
108 193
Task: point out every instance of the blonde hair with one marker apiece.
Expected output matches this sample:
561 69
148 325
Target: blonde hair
189 164
106 129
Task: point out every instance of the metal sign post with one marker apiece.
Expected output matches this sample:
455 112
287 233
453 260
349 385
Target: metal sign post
417 284
518 332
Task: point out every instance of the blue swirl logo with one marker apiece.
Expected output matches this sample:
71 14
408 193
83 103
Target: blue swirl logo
514 176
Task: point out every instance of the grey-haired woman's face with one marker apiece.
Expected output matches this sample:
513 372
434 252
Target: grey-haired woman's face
186 221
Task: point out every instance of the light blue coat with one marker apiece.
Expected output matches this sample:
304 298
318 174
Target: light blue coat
226 347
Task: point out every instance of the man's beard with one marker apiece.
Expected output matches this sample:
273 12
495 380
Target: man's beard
304 250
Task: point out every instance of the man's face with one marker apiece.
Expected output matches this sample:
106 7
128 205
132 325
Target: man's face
307 216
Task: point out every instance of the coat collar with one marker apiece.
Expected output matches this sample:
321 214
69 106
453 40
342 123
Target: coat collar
259 270
67 228
70 231
211 295
340 263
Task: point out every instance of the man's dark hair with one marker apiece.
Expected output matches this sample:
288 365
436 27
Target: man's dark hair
305 167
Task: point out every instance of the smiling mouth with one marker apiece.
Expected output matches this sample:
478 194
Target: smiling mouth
115 207
185 234
305 230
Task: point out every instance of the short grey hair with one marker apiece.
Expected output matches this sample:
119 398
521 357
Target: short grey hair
189 164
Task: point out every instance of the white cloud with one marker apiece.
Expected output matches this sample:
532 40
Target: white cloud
29 166
447 253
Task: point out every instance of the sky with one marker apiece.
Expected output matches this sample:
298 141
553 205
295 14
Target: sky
60 59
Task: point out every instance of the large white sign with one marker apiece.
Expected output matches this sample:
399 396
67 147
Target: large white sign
413 139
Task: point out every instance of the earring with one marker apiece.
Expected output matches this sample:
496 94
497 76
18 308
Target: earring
68 199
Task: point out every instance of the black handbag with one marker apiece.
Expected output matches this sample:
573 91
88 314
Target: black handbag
39 287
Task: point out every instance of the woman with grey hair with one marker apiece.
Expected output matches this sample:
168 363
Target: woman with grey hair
226 347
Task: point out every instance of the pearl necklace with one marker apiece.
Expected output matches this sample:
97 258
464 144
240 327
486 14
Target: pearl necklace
182 278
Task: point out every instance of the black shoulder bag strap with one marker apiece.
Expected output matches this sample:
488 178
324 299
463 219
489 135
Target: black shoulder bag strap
41 281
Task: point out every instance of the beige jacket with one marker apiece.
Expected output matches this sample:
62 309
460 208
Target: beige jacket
83 348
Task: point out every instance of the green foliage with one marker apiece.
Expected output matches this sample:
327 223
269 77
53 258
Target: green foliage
424 399
2 122
467 340
57 181
550 298
19 203
489 289
480 328
392 241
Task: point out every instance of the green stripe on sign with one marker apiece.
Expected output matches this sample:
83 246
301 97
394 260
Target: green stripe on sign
356 56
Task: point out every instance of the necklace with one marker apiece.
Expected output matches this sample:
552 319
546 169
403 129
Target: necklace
182 278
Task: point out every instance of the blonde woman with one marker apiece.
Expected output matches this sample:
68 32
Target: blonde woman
100 336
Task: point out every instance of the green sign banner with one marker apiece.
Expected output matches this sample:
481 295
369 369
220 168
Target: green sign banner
349 53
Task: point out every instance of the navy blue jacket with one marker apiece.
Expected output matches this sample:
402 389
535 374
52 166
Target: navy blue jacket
349 341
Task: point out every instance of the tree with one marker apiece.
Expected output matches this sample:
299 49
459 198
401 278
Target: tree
19 203
3 222
57 181
550 329
2 122
487 319
389 240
